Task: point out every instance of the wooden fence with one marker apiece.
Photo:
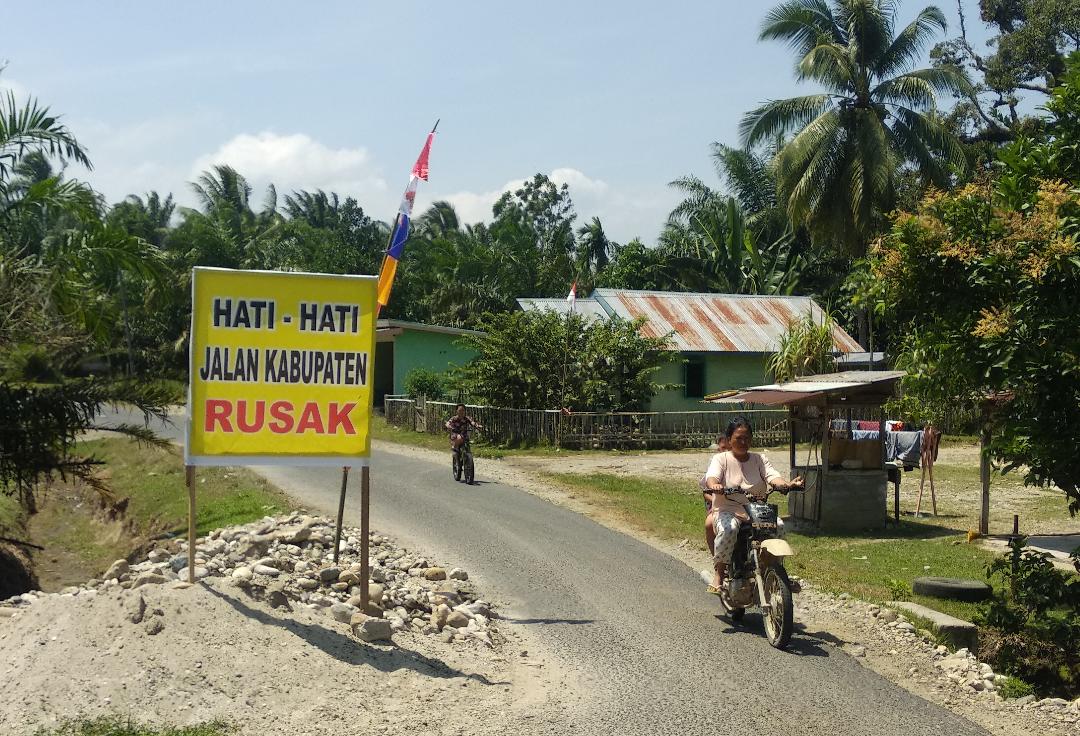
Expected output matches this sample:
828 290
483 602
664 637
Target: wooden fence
514 427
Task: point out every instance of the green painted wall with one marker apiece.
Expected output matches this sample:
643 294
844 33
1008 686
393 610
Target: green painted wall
722 372
432 350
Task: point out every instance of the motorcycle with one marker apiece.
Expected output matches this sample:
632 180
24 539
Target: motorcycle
756 575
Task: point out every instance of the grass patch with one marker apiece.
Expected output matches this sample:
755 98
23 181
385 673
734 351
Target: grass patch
654 506
11 515
174 389
383 430
116 726
153 478
873 566
874 569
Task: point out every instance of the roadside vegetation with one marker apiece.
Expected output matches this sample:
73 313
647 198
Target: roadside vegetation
117 726
82 532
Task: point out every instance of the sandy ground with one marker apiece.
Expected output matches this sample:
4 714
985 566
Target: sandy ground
223 655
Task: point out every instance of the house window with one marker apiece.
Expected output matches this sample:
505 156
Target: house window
695 378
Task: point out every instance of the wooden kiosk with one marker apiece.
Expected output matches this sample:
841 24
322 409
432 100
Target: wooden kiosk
845 470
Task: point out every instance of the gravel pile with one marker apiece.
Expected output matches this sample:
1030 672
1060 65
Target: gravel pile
271 639
287 561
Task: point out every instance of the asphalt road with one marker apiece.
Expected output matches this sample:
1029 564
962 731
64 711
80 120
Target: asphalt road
646 640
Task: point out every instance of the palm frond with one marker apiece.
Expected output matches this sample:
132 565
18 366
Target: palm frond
779 117
914 131
31 127
910 43
803 24
829 64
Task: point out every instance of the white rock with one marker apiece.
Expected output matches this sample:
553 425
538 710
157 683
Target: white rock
270 572
116 569
343 612
242 573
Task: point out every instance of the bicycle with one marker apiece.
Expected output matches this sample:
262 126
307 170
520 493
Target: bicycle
463 461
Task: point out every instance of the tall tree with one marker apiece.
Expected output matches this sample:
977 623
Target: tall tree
982 282
838 172
1027 56
534 226
593 252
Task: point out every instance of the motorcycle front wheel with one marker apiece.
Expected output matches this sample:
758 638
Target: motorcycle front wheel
457 466
779 613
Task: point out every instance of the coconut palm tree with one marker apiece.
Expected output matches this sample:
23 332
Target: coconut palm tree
439 219
29 128
594 251
838 171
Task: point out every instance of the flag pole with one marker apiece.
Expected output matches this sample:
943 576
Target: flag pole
389 242
365 470
566 357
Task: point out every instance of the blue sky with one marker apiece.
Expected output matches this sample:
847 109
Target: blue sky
614 98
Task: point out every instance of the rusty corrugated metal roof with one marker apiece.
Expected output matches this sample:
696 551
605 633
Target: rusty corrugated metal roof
589 308
710 323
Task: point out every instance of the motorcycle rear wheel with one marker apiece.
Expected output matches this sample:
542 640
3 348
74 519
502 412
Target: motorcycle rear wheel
779 613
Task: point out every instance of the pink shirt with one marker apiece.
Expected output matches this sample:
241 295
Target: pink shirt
752 476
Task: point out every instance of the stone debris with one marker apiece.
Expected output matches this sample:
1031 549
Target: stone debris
959 675
286 561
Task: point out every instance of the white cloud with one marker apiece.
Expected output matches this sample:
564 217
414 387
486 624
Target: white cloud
7 84
578 182
136 157
297 161
476 206
625 213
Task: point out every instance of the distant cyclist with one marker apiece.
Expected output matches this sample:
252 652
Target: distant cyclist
460 425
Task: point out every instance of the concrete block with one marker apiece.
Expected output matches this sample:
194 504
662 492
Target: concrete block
956 631
853 500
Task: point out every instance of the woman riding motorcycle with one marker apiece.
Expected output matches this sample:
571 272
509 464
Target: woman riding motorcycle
738 468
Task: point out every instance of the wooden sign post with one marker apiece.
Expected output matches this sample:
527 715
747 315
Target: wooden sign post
189 476
365 532
340 512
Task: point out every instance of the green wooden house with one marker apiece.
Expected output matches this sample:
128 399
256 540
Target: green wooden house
402 346
725 340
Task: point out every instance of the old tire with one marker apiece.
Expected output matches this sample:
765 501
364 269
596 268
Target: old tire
955 589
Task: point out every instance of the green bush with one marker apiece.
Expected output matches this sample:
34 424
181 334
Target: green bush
423 382
1014 687
1031 628
899 590
117 726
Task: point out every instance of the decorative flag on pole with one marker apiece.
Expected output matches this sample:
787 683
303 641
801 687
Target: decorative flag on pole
571 298
400 232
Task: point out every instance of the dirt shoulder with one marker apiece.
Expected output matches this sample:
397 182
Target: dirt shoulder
270 641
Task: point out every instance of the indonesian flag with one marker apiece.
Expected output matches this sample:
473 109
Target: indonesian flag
400 232
571 298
